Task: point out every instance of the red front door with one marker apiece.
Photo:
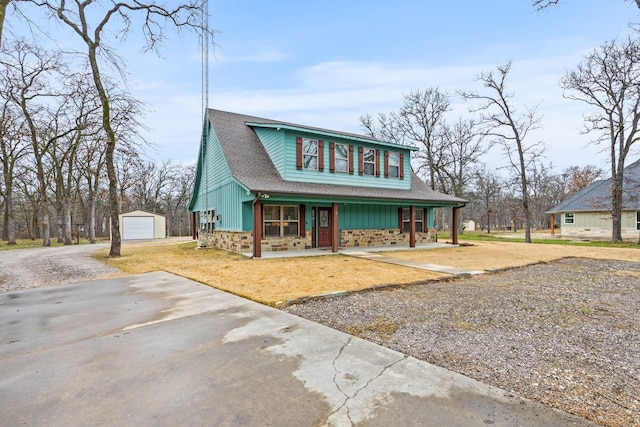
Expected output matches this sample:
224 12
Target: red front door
324 227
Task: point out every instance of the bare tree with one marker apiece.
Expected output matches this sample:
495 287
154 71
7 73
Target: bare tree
543 4
385 127
419 123
547 190
607 80
13 148
509 129
487 191
577 178
90 26
462 147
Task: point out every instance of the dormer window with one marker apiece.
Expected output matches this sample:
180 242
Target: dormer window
369 161
309 154
394 165
342 158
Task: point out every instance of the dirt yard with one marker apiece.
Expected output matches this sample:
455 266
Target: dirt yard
277 281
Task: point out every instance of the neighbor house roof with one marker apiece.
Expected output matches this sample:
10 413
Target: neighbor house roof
597 196
250 164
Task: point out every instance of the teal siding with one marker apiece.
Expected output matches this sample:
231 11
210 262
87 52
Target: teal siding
227 201
273 142
217 190
280 144
340 178
361 217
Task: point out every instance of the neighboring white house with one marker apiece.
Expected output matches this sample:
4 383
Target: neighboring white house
587 214
138 225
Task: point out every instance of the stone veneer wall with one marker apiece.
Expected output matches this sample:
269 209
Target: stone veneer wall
242 242
382 237
596 233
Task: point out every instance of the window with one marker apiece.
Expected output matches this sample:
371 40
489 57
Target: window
369 161
309 154
569 218
281 221
406 220
393 164
341 158
637 220
208 220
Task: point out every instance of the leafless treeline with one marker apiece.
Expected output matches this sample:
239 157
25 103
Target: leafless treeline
451 155
52 153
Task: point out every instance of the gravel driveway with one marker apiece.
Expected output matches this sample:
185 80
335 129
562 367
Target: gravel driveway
58 265
566 333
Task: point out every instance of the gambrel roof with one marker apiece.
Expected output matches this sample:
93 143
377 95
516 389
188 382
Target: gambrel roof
597 196
251 166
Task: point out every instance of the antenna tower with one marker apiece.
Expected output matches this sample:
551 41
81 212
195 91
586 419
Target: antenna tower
205 211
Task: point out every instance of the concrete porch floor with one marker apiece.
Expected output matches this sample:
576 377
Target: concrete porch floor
373 253
347 251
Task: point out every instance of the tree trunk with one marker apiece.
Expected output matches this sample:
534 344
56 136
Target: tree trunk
10 218
92 219
45 227
114 209
616 211
68 238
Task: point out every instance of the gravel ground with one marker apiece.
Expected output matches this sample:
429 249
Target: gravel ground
39 267
565 333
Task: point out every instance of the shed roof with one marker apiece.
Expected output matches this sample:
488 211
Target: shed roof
251 165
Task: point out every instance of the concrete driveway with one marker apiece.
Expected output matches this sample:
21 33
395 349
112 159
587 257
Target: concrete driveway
157 349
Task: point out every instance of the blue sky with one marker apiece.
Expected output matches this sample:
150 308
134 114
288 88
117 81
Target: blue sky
327 63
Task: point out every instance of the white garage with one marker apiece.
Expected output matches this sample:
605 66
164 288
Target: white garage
140 225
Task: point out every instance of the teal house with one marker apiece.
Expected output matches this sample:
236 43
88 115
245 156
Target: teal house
267 185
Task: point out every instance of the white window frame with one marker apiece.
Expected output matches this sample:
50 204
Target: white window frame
307 157
365 162
341 160
571 220
394 169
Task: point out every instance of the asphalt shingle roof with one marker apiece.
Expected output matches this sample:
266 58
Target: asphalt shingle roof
251 165
597 196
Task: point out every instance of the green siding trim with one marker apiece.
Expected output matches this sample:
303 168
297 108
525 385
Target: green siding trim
334 136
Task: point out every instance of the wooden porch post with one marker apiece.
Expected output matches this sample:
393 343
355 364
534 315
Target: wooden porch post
194 227
412 226
257 227
454 226
553 224
334 227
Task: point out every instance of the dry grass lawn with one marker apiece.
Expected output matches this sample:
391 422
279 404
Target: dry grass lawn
269 281
274 281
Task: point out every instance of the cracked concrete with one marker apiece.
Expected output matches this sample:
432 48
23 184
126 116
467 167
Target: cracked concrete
157 349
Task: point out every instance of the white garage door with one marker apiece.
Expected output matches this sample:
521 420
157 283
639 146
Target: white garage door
137 227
